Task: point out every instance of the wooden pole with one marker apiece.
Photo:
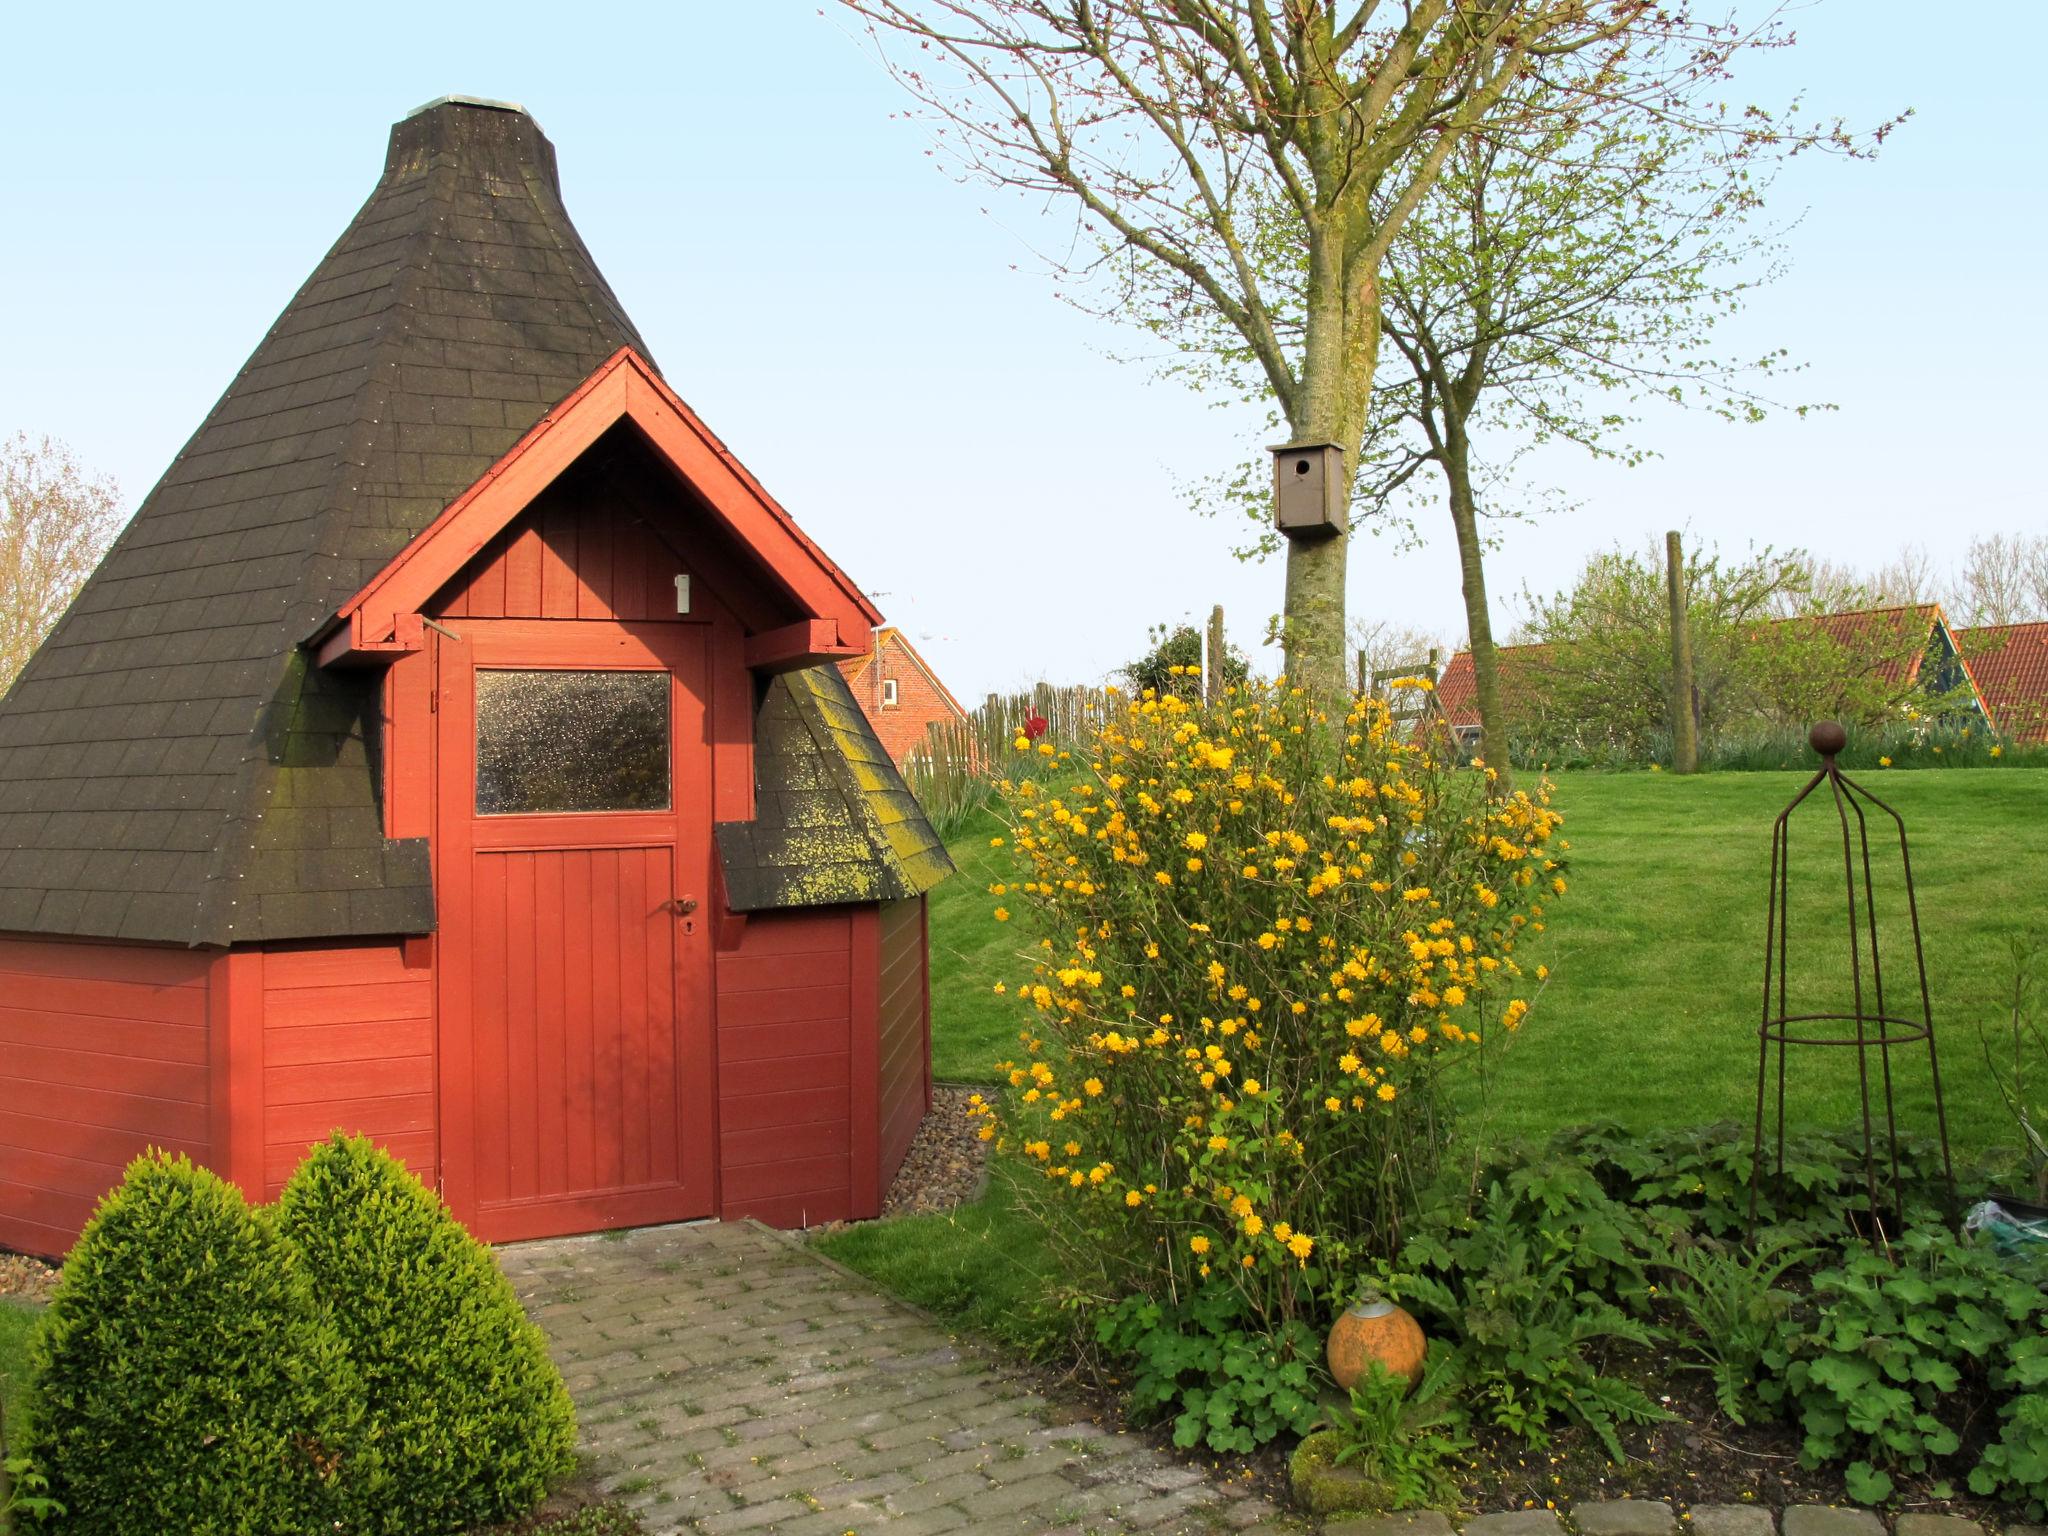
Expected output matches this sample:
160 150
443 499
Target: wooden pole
1685 746
1212 678
1364 676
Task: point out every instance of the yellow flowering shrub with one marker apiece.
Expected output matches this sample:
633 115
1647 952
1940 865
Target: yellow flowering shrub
1262 937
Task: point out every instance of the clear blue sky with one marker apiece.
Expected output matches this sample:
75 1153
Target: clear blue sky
878 343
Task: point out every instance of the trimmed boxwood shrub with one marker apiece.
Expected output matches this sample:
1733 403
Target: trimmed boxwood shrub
185 1381
471 1417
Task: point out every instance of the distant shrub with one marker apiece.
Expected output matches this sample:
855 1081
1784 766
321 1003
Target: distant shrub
185 1380
471 1417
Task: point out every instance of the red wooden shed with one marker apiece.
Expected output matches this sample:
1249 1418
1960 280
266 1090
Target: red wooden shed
452 750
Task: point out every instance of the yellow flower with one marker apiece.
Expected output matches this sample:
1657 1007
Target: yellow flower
1198 1244
1301 1245
1333 1104
995 842
1093 1087
1387 1093
1219 1143
1251 1087
1002 914
1133 1199
1253 1226
1884 762
1196 841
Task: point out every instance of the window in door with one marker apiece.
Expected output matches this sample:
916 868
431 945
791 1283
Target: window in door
559 742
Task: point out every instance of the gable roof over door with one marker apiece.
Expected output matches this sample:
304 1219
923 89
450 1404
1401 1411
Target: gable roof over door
171 767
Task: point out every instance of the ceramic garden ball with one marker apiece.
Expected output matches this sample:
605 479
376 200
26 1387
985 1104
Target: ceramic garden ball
1375 1329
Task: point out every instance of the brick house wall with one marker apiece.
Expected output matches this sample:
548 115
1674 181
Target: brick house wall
920 697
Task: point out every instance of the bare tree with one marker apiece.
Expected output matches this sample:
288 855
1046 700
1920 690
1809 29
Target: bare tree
1241 168
56 520
2004 580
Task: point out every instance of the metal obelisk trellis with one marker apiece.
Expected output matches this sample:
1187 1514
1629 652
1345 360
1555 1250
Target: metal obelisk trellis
1871 1025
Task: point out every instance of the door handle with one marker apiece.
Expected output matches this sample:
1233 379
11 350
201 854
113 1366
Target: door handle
682 906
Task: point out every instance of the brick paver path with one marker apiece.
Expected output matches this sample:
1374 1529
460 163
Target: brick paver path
728 1379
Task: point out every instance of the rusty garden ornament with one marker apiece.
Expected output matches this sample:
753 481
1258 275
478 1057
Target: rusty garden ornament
1373 1328
1874 1023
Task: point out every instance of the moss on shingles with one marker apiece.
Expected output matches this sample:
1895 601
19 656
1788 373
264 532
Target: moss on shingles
834 821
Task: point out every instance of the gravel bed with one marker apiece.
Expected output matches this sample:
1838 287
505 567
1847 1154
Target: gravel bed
947 1165
25 1279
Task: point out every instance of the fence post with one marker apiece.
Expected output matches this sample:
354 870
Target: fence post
1685 747
1212 685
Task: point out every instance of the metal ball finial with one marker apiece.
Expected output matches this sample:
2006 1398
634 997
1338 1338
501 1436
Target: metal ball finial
1827 738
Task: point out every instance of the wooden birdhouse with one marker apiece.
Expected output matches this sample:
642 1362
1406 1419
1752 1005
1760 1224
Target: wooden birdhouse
1310 492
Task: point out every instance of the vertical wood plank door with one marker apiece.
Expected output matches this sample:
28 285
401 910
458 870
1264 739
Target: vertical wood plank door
576 994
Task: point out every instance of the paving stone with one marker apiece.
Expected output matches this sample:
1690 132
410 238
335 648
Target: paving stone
1514 1522
1731 1520
740 1384
1938 1525
1623 1517
1827 1520
1418 1522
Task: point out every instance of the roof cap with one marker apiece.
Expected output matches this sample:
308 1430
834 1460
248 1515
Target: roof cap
496 137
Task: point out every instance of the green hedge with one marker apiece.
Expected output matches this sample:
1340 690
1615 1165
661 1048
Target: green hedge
471 1418
185 1381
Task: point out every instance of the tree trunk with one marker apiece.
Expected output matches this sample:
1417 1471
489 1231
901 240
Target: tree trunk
1314 608
1493 727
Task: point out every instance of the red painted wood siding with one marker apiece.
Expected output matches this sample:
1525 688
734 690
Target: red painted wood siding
785 1099
104 1053
905 1059
569 558
348 1045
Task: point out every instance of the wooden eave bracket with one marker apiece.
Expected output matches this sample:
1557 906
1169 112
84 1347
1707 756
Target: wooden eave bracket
348 646
383 619
794 646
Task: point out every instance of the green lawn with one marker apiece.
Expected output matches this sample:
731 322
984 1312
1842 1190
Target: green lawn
17 1323
972 1028
1657 954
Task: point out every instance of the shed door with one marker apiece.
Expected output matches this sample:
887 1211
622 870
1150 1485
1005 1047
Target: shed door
574 849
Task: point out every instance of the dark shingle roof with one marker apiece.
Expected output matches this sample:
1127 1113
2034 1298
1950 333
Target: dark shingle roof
833 821
170 768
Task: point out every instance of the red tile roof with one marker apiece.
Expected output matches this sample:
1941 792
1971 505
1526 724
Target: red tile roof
2010 664
1457 691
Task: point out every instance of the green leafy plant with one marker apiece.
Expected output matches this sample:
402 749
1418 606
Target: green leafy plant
1406 1443
2015 1466
1508 1289
1892 1343
185 1380
1731 1297
1225 1385
2017 1057
471 1416
1699 1176
25 1493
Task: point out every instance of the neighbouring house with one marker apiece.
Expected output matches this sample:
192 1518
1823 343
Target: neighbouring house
1912 650
2010 665
1456 701
1909 649
900 693
453 750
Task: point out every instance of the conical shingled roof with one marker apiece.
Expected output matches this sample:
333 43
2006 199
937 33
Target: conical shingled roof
170 766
